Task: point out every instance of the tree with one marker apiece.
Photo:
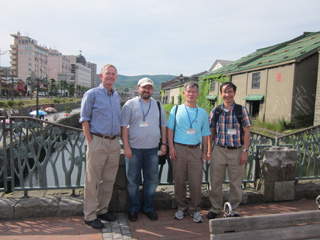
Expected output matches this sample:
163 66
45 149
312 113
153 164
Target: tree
71 90
52 86
63 85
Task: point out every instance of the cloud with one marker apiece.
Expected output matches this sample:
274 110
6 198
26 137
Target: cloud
157 36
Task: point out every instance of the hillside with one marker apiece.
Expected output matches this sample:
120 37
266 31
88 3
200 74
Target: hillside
131 81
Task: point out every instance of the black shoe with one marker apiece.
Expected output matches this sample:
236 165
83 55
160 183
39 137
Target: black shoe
212 215
108 216
236 215
151 215
96 224
133 216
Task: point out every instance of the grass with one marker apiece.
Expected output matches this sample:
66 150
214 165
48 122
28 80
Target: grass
18 103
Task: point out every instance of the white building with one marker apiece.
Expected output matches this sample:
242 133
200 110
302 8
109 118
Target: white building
93 68
81 74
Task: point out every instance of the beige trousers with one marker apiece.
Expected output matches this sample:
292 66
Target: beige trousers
187 168
101 170
221 159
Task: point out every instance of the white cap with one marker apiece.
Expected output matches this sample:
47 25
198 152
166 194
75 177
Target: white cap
145 81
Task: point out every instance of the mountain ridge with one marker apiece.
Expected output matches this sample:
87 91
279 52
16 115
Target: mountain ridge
131 82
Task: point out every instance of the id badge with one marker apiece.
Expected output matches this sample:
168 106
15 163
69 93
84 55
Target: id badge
144 124
232 131
191 131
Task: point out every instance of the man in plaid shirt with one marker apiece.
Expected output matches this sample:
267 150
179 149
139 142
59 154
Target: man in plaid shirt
230 149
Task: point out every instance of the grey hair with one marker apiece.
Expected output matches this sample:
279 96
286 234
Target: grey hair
107 66
191 84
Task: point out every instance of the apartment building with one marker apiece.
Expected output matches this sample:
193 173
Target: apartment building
28 56
93 68
59 66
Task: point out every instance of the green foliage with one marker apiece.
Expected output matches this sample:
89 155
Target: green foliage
204 87
132 81
20 103
68 109
276 126
11 103
2 104
57 100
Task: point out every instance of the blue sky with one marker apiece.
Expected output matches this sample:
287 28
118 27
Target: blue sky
157 36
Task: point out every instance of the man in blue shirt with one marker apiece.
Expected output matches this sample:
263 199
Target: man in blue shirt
100 117
187 129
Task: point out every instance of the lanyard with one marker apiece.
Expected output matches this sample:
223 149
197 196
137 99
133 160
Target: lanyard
144 115
189 116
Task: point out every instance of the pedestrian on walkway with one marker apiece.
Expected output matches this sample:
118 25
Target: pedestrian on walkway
230 132
100 117
141 136
188 127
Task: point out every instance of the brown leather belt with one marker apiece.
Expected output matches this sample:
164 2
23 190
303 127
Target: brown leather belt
104 136
230 148
188 145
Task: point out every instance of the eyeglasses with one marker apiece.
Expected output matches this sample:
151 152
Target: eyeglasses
191 92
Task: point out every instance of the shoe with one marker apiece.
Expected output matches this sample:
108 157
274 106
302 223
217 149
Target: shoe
151 215
132 216
236 215
108 216
212 215
180 215
197 218
96 224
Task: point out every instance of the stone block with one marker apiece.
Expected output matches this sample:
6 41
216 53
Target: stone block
267 191
36 207
7 208
284 191
70 207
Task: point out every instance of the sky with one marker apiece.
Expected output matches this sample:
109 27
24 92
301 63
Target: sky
156 36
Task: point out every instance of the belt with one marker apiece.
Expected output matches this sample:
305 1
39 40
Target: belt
188 145
104 136
230 148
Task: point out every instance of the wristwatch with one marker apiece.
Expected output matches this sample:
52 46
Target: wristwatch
245 150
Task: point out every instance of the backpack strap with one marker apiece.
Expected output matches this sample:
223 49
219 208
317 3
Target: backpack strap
217 113
238 109
158 103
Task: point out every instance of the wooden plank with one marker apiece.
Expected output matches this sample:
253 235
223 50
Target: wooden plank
296 232
264 221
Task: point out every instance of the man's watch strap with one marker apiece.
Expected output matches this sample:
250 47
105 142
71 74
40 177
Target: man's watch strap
245 150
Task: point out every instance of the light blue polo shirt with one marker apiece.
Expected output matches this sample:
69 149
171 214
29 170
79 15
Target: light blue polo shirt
199 122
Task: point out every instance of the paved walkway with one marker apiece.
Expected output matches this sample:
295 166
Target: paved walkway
144 229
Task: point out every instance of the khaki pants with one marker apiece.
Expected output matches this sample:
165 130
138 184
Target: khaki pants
101 170
187 167
221 159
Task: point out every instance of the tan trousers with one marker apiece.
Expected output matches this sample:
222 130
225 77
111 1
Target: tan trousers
187 167
221 159
101 170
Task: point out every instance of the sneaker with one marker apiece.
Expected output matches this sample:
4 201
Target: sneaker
197 217
180 215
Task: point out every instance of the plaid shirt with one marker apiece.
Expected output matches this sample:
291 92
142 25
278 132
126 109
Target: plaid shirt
228 120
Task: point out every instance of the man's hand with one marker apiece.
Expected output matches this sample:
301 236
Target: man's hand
173 153
243 158
163 149
128 152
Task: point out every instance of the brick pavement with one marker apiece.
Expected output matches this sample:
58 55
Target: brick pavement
144 229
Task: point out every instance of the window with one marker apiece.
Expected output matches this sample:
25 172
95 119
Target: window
256 80
213 86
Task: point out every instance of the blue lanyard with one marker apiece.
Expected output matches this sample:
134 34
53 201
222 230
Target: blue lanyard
189 116
144 115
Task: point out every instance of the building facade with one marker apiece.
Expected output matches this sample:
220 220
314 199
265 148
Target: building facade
28 56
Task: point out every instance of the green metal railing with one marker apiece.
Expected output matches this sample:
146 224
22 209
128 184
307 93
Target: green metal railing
37 154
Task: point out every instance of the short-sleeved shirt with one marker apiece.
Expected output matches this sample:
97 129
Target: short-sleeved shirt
227 128
198 121
103 111
143 135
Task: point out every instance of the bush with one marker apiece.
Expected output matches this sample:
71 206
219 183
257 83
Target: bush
68 109
20 103
11 103
2 104
57 100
